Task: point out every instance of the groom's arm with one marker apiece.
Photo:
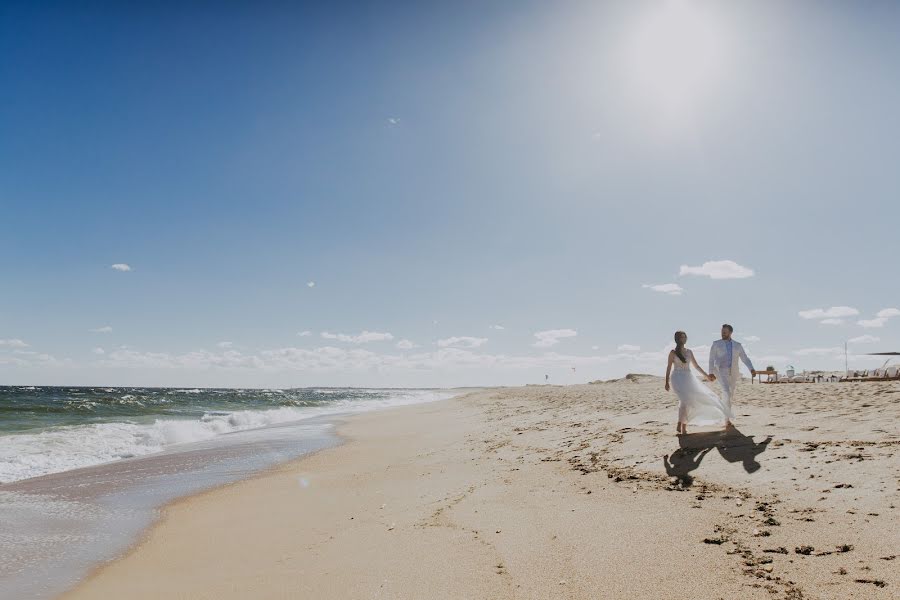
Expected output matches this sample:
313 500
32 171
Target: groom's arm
746 360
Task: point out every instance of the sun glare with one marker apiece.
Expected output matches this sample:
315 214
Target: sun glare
675 55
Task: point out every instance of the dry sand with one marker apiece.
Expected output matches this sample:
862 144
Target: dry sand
554 492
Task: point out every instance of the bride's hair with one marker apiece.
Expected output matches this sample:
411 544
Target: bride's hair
679 347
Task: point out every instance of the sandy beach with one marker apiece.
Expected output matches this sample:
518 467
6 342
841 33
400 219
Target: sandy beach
553 492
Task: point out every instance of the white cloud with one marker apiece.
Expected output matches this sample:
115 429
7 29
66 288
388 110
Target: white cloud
595 347
98 350
332 359
405 344
104 329
394 120
225 344
304 333
880 319
629 348
864 339
832 322
551 337
870 323
121 267
28 358
13 343
128 358
751 338
673 289
718 269
462 342
362 338
497 327
310 284
835 312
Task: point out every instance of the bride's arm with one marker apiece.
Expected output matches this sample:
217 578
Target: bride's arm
696 366
669 369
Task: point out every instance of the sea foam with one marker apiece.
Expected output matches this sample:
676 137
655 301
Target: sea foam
63 448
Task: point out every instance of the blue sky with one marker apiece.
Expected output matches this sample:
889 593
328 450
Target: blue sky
438 170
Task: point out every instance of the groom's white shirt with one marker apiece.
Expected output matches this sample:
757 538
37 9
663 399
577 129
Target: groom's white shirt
718 361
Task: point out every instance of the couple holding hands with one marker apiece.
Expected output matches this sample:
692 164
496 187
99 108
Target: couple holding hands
697 404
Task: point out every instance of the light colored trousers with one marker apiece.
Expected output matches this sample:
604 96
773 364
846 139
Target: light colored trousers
728 385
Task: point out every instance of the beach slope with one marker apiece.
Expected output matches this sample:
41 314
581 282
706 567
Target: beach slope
553 492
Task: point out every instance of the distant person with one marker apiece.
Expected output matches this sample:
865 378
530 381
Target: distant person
697 404
723 364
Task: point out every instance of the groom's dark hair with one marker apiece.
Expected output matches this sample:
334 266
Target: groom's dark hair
730 328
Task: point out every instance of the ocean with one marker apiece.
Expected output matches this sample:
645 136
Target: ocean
83 470
52 429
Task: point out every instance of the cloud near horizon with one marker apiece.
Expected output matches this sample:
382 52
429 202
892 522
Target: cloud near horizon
362 338
881 318
462 342
718 269
872 323
13 343
330 358
672 289
829 316
551 337
123 267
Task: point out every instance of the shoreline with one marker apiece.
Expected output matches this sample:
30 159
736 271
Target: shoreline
163 512
336 421
549 492
103 510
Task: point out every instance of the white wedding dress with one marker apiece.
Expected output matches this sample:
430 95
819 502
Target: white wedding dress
697 404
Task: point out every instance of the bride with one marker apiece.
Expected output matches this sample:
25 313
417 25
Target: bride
697 404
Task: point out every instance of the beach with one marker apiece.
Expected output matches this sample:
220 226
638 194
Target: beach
552 492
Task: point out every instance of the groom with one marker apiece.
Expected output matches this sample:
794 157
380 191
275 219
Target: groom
723 362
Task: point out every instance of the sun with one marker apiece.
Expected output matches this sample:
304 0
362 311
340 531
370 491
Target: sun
675 56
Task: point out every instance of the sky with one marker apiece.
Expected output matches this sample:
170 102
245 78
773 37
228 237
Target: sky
276 194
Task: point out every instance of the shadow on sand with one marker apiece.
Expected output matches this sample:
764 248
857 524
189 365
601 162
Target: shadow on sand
733 445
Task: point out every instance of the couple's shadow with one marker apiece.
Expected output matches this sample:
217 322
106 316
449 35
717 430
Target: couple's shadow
732 445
